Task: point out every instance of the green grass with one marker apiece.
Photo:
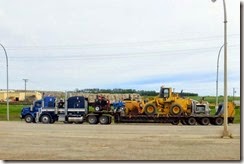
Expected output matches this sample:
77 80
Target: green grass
14 112
212 99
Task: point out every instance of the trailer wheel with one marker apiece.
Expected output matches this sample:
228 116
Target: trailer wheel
103 119
183 122
191 121
150 109
52 121
175 110
218 121
205 121
45 119
175 122
92 119
28 119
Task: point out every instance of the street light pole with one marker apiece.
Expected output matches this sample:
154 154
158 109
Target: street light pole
234 91
225 132
217 80
7 80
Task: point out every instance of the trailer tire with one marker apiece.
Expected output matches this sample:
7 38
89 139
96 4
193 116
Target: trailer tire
52 121
103 119
29 118
191 121
175 110
150 109
45 119
92 119
183 122
175 122
218 121
205 121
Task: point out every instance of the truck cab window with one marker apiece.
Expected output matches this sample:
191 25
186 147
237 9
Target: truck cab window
38 104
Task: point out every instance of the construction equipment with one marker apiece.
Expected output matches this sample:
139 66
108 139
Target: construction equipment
168 107
167 103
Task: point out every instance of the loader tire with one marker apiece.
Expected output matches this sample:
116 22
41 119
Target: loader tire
175 110
150 109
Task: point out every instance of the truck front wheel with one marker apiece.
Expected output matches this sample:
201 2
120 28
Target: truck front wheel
45 119
28 119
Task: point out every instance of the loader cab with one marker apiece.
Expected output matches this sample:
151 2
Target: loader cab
164 92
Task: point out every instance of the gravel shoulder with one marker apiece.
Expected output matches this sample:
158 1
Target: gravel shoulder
22 141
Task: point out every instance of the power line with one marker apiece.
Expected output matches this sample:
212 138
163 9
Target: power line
87 56
102 45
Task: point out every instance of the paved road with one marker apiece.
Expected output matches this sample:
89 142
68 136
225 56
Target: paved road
22 141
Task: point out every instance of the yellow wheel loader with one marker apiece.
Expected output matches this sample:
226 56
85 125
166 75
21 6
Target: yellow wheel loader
168 103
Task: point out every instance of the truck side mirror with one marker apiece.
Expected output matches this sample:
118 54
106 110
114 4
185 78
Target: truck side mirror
31 108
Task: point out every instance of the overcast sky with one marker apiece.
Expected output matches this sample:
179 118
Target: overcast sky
138 44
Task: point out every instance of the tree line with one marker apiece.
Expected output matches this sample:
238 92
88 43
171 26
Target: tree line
127 91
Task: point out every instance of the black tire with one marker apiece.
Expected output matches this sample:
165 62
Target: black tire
183 122
66 122
175 122
191 121
92 119
218 121
45 119
52 121
29 118
103 119
78 122
205 121
150 109
175 110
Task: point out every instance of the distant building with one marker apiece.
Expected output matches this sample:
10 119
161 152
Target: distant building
237 102
19 95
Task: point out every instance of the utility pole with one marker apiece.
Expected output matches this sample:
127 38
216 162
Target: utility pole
233 94
7 79
25 80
